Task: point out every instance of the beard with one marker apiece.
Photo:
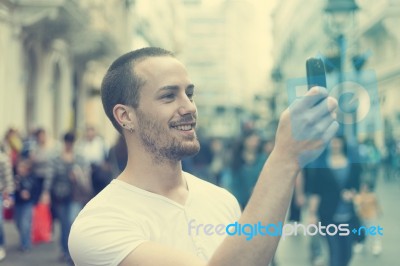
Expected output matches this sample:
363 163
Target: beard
158 140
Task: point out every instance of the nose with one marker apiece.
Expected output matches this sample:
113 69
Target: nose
187 106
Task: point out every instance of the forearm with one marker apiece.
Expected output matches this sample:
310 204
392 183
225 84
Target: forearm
268 205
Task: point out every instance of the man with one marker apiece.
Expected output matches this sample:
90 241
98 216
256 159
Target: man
155 214
93 148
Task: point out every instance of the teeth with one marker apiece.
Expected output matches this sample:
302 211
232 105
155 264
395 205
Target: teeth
184 128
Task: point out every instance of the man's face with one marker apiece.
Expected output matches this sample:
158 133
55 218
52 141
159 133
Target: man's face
90 133
41 137
166 115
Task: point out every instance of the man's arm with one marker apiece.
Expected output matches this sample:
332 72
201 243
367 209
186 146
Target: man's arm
268 204
303 132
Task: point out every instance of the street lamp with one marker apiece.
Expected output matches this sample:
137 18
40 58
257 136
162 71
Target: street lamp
340 19
340 14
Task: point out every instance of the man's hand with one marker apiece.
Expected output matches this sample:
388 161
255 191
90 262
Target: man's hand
8 201
348 195
25 194
307 126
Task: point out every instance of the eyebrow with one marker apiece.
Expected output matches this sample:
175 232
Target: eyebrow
174 87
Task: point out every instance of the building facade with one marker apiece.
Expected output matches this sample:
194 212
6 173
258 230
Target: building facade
58 52
227 54
48 45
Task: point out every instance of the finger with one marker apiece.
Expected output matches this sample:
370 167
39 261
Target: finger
330 132
314 96
323 108
334 115
323 125
332 104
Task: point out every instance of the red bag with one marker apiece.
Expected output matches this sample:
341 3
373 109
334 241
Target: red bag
41 223
8 210
8 213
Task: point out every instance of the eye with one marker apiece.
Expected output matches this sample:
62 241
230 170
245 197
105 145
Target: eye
190 95
168 96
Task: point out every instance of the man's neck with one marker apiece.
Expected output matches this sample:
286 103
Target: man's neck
165 178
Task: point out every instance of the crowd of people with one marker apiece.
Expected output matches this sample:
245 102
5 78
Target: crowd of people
67 174
339 187
64 175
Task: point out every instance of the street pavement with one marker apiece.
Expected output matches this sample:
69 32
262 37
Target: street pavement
293 251
44 254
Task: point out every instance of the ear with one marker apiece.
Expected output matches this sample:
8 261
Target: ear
123 115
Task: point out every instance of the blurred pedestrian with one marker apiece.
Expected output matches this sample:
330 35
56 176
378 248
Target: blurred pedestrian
388 158
247 162
369 210
6 194
94 150
316 242
298 199
334 186
12 145
395 161
111 167
41 154
24 182
71 188
220 160
371 158
117 157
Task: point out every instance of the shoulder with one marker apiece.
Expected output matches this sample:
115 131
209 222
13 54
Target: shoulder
104 232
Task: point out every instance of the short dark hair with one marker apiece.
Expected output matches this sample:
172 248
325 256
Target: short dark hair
121 84
69 137
39 131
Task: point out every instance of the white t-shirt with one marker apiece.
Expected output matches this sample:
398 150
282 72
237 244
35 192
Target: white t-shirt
122 216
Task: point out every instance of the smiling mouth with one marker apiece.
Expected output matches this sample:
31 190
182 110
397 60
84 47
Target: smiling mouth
184 127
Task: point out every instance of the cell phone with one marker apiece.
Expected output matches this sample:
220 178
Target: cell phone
316 75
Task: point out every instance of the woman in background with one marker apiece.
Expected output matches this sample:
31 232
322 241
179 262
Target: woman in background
71 188
247 162
333 188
